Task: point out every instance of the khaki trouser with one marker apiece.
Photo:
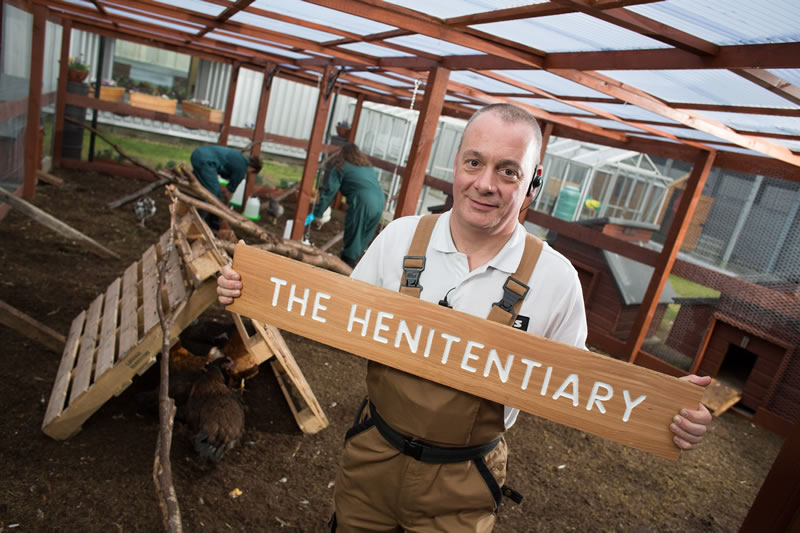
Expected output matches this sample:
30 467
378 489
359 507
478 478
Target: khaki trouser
380 489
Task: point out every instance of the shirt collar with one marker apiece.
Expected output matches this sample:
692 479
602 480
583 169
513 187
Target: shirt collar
507 260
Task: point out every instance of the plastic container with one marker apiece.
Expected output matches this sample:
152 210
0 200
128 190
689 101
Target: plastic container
253 208
567 202
238 195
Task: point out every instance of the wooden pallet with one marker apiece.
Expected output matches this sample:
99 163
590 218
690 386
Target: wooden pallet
119 336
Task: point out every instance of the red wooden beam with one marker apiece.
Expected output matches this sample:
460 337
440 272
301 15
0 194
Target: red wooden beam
61 100
34 102
672 244
227 117
414 174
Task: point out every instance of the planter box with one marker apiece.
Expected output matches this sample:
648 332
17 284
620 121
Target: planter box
76 75
202 112
112 94
154 103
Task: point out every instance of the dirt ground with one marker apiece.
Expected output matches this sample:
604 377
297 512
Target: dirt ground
100 480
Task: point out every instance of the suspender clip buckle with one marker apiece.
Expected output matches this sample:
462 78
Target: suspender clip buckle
513 291
413 265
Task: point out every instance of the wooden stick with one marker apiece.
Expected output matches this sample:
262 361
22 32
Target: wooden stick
54 224
162 467
49 178
333 240
141 192
33 329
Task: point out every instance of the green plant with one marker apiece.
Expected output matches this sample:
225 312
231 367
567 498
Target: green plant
77 64
171 164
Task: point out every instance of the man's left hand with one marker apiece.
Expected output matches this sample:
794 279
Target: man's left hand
690 425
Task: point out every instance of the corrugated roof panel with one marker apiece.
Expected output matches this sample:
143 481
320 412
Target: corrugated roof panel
611 124
455 8
432 46
765 123
284 27
630 112
792 75
145 17
572 32
386 80
255 46
198 6
552 83
699 86
729 22
483 83
553 106
374 50
323 15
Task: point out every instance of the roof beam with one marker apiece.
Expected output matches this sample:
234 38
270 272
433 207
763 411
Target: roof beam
429 26
225 15
772 83
642 25
774 55
535 10
603 84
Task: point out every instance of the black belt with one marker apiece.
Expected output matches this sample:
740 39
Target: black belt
425 452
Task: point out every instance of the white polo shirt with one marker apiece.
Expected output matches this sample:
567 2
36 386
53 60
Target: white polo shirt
554 305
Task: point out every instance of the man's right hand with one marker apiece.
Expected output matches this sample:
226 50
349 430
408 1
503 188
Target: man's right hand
229 285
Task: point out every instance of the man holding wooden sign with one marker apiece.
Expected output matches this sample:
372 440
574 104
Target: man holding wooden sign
426 452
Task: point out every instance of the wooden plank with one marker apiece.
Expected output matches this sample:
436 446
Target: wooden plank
173 284
128 315
149 289
33 329
305 419
108 329
719 397
512 367
49 178
64 372
83 368
54 224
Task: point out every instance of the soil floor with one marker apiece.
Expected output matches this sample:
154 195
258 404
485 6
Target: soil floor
100 480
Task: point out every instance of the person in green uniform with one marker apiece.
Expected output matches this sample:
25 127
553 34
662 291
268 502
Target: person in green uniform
351 172
211 161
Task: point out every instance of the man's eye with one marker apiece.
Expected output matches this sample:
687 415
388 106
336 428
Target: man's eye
509 174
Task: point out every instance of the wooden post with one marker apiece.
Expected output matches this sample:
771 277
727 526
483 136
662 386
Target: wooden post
258 134
777 505
356 117
61 95
313 150
414 175
226 120
34 101
672 244
548 130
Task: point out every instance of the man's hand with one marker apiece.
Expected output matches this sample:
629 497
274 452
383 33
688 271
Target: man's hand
229 285
689 425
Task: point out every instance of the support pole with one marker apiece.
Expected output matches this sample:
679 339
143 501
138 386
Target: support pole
34 102
258 134
226 120
424 133
356 117
61 104
672 244
312 158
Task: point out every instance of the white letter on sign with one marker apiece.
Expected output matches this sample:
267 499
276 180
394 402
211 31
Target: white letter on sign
468 355
572 379
302 301
380 326
363 321
319 307
502 372
278 283
450 340
630 405
530 365
594 397
413 342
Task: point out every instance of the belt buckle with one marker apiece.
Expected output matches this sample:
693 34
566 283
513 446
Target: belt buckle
413 448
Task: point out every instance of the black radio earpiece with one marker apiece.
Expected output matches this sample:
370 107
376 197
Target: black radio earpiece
536 181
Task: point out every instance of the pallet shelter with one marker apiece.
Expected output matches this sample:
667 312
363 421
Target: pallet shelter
712 87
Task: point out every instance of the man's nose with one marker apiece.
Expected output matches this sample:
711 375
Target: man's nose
484 181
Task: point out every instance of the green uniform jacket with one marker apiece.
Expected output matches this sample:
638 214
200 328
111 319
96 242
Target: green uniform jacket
365 201
208 162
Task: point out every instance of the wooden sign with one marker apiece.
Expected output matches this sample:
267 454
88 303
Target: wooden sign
600 395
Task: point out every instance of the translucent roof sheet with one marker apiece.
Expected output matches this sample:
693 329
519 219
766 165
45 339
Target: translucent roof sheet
455 8
551 83
432 46
262 47
374 50
699 86
284 27
552 105
198 6
483 83
323 15
729 22
179 25
573 32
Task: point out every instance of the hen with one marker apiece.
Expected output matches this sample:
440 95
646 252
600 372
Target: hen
144 208
214 413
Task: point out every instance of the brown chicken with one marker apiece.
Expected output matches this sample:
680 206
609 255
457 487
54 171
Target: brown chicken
214 413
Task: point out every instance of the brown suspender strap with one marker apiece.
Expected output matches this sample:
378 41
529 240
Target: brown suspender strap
414 262
514 290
